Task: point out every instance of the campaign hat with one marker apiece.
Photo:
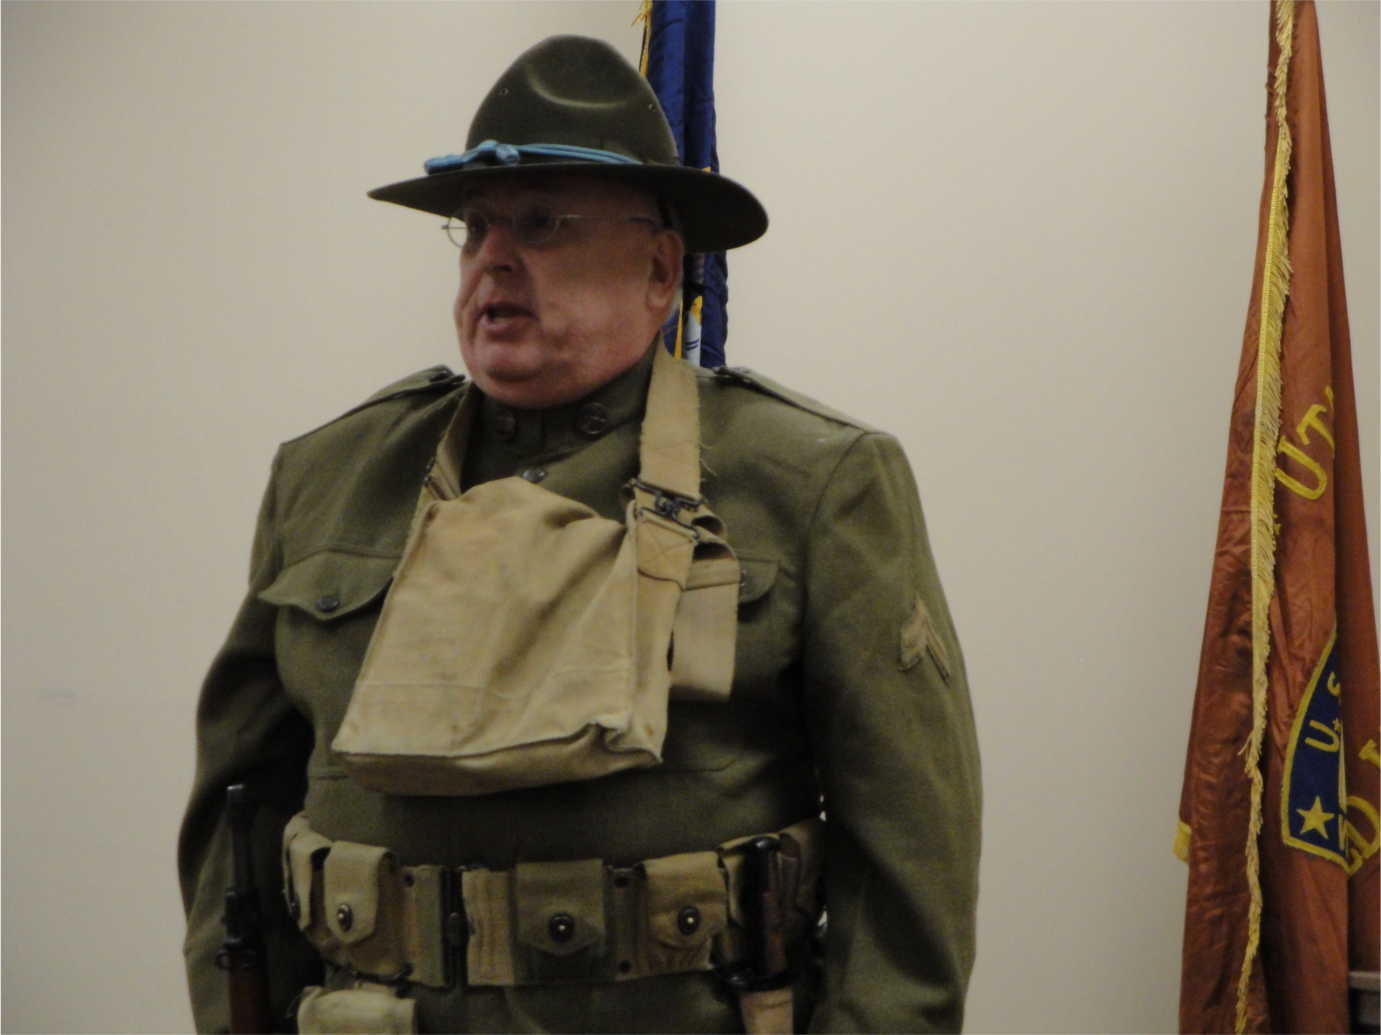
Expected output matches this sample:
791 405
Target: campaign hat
574 104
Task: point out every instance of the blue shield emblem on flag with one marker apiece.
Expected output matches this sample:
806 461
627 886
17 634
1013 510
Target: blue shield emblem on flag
1313 797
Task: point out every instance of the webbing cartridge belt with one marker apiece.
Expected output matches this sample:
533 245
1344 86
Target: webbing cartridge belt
537 923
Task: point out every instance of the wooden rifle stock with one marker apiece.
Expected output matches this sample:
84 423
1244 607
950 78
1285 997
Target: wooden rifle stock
242 952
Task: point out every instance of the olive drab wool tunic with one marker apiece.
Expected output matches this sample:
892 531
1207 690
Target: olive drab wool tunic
849 690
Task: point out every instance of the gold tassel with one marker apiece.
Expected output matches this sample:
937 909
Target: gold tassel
1182 840
644 15
1275 286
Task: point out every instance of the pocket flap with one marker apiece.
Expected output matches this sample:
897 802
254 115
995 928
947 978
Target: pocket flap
331 584
350 881
302 849
687 902
560 905
755 578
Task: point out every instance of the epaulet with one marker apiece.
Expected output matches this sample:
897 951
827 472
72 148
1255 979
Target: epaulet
435 379
766 386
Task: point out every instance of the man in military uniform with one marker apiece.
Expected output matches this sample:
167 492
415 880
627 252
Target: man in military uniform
545 679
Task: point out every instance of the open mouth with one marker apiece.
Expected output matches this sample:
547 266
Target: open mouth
498 311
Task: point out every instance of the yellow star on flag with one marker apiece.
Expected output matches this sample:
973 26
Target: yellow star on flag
1315 818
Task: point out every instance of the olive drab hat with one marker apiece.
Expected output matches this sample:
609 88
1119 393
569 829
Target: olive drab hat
573 104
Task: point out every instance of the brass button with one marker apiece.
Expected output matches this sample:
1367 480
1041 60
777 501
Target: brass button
345 917
561 927
593 420
688 920
535 474
327 602
505 423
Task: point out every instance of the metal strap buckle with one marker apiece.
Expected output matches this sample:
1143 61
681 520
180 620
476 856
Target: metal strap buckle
668 503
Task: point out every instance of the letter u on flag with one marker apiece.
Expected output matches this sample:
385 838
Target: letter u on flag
678 60
1278 814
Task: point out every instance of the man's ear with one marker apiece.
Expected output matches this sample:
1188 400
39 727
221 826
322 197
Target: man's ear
664 269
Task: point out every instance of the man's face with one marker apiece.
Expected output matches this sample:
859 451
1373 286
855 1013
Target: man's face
544 324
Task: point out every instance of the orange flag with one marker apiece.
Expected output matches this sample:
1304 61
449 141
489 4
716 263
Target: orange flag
1279 811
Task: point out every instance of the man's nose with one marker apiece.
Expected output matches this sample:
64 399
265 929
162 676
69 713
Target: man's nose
498 249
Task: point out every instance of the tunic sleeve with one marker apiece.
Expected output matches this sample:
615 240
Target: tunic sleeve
889 712
247 731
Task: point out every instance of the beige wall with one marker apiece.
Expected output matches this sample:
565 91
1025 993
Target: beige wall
1019 236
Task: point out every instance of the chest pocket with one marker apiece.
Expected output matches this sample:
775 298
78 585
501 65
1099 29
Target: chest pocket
331 584
328 603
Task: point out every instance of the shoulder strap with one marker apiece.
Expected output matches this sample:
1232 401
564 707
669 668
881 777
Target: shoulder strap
669 449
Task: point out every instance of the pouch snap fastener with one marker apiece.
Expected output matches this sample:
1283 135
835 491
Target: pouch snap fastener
561 927
327 602
688 920
345 917
535 474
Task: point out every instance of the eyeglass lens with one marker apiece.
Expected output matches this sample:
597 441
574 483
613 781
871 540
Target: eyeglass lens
532 225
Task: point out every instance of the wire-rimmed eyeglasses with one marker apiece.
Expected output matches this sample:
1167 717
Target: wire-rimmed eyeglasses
532 226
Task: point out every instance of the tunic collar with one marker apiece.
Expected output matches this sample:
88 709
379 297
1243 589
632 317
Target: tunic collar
504 441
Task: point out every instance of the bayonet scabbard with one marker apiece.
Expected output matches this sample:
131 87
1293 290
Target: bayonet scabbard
242 951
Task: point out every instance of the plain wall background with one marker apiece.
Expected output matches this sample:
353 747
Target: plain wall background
1018 236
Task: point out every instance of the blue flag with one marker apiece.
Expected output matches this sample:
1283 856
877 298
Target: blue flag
678 60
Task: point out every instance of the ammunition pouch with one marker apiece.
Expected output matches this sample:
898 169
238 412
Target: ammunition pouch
355 1011
527 640
538 923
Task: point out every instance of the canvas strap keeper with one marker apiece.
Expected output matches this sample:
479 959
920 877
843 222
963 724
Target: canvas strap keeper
583 921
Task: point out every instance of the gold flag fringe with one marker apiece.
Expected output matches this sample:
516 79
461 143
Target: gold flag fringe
1275 286
1181 847
644 17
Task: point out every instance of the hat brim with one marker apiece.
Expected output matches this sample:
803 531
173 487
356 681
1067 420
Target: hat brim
716 213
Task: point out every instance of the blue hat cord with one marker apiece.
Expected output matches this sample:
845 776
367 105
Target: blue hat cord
491 152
